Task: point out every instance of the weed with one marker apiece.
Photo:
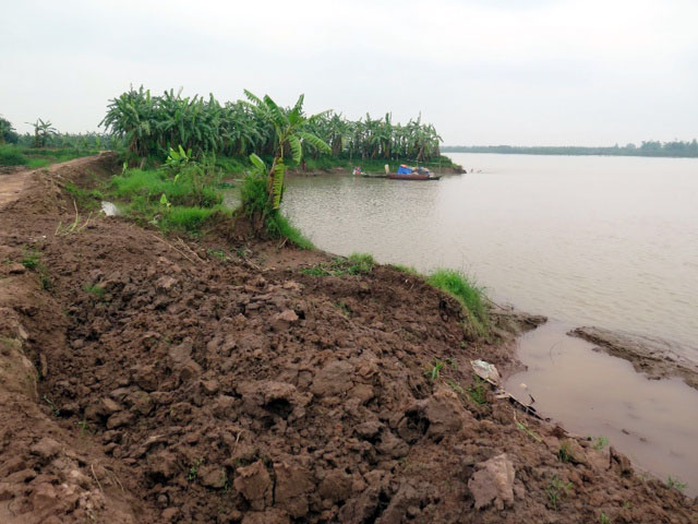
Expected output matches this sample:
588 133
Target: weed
52 405
468 294
194 470
218 254
356 264
565 453
478 392
435 373
523 427
556 490
600 443
31 260
605 519
95 290
676 484
278 226
455 387
345 309
85 199
84 427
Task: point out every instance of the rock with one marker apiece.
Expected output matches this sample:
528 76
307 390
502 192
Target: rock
162 464
120 419
336 486
493 483
16 268
293 483
333 379
369 429
284 320
46 448
392 446
109 407
210 387
213 477
254 484
571 451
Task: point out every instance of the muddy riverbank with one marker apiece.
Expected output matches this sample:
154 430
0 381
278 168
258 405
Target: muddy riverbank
151 379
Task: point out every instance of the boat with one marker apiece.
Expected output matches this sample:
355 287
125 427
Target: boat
412 173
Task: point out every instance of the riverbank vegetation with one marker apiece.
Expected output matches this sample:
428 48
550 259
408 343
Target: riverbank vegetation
650 148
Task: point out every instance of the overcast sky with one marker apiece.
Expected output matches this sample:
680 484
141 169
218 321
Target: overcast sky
523 72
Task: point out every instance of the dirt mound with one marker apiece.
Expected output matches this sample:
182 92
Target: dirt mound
209 382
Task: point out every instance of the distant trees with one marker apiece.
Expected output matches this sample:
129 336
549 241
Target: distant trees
151 125
8 135
647 148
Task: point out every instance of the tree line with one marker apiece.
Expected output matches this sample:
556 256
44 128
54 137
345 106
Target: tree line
152 124
647 148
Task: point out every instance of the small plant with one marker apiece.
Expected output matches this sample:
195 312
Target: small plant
455 387
478 392
523 427
31 260
84 427
95 290
556 490
355 264
344 308
471 297
605 519
565 453
194 470
676 484
435 372
218 254
600 443
52 405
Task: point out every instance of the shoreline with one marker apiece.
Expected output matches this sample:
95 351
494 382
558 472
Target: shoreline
308 398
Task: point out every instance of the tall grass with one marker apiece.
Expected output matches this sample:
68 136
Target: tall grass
471 297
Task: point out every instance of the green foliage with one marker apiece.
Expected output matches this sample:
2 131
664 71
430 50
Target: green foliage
478 392
279 226
556 490
600 443
96 291
8 135
605 519
676 484
436 369
469 295
31 260
12 156
85 199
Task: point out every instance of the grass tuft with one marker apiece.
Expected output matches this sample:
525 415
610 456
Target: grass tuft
468 294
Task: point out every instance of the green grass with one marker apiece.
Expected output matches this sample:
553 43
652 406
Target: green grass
471 297
186 219
12 156
355 264
279 226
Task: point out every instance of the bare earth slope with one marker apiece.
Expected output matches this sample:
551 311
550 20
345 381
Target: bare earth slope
146 380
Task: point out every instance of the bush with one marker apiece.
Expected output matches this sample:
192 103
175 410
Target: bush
11 156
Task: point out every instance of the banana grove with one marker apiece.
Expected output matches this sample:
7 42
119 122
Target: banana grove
151 125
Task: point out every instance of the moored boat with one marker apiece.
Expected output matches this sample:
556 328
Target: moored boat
412 173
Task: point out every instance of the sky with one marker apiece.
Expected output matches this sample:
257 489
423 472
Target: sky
483 72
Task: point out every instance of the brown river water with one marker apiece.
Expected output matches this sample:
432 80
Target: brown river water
604 241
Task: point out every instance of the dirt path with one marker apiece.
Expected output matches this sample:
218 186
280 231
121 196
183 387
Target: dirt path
11 185
145 379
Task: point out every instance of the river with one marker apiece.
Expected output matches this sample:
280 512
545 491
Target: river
604 241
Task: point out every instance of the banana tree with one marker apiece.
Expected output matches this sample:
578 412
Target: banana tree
290 135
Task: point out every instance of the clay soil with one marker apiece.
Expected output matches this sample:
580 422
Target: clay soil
146 379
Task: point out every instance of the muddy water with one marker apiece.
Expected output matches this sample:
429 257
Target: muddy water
610 242
594 394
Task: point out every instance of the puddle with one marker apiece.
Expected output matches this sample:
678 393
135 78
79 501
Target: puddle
654 422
